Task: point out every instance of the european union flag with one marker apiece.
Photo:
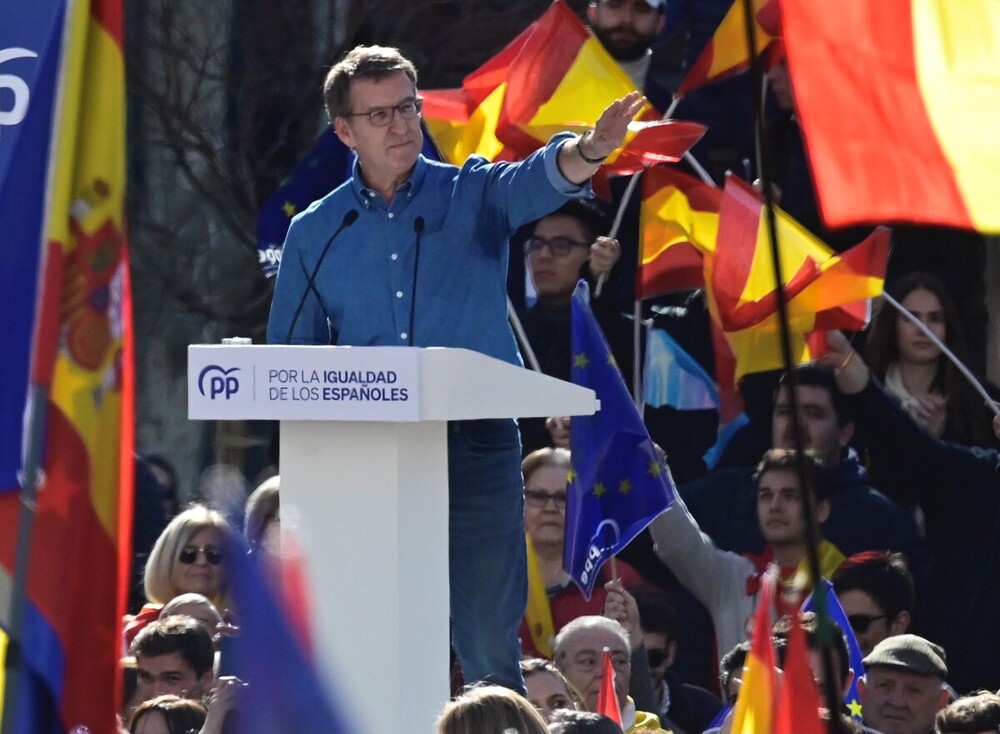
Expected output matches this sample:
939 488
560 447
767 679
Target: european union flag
836 613
284 690
327 165
618 483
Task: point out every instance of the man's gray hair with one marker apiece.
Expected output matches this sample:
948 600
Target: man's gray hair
589 622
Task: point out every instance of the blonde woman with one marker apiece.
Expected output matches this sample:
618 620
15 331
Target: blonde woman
188 558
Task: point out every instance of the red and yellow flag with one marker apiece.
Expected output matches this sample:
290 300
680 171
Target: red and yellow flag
823 290
755 705
896 100
678 220
82 358
561 79
555 76
463 121
538 612
798 702
727 53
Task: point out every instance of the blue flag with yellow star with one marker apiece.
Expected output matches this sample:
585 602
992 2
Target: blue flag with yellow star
836 613
327 165
618 483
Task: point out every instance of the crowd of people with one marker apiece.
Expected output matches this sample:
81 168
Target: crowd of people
881 439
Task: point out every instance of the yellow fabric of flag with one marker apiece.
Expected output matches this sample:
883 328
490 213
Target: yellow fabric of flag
538 613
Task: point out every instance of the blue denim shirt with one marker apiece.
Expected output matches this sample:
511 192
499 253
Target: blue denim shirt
364 284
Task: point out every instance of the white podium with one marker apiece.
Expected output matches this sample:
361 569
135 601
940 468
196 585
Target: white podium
364 468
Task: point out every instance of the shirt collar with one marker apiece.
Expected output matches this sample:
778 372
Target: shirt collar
408 188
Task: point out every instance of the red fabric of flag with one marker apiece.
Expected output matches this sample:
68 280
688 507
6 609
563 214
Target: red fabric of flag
892 98
660 141
678 221
755 705
798 702
607 698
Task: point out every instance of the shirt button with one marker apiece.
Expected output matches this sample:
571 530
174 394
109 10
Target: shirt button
399 294
403 335
391 215
394 256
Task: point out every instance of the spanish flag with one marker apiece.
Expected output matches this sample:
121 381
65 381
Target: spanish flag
463 121
678 220
798 702
551 78
562 78
727 53
898 101
758 693
823 290
81 376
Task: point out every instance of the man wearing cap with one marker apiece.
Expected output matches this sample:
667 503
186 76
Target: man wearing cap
903 688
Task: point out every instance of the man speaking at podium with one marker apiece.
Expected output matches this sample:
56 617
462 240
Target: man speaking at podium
409 251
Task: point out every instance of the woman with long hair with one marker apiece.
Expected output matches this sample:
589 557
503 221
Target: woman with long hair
915 370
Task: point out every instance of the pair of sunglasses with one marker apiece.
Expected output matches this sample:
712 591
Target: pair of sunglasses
189 554
861 622
656 657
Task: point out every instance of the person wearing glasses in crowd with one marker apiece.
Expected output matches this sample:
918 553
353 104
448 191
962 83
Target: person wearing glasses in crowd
876 590
685 707
565 246
187 558
411 252
545 473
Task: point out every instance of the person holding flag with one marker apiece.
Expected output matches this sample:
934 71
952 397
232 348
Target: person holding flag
727 583
409 252
594 653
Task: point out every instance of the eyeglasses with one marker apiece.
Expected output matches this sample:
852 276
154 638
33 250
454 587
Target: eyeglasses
382 116
861 622
656 658
558 246
538 500
189 554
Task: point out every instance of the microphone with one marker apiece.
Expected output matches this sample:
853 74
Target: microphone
350 217
418 229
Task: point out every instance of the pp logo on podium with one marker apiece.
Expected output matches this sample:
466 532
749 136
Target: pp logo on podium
222 383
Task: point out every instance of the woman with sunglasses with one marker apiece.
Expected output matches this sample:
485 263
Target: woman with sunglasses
189 557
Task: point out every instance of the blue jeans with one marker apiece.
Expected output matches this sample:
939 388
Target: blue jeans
487 565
